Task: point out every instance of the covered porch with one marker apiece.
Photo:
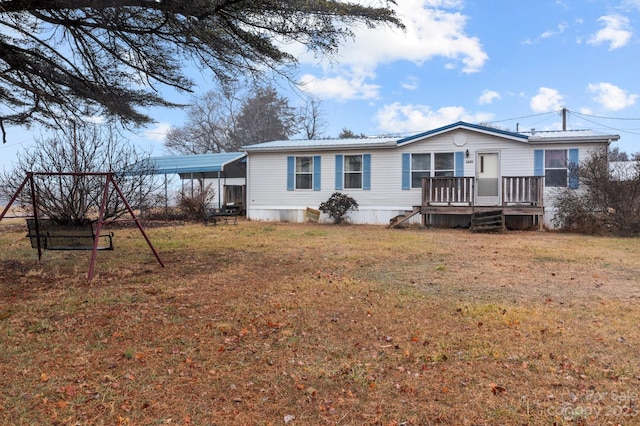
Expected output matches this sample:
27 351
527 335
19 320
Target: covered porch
457 201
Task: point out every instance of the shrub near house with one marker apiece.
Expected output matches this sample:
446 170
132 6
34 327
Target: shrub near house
338 205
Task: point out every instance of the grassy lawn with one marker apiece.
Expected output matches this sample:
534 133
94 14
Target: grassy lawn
267 324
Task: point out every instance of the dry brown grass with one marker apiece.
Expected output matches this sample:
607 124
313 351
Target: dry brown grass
334 325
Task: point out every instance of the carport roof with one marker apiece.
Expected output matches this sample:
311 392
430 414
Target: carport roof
200 163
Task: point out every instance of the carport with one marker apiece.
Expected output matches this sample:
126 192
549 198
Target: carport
221 166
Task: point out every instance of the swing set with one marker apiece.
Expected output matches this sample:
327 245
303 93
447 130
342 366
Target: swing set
46 234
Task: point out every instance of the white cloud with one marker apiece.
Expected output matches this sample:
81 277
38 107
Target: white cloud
342 88
158 132
611 97
434 29
546 100
488 96
630 4
410 83
399 118
616 32
550 33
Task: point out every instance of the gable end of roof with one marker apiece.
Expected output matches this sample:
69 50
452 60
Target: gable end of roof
467 126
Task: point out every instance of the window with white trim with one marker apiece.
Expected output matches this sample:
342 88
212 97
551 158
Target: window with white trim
555 168
304 172
353 171
444 164
420 168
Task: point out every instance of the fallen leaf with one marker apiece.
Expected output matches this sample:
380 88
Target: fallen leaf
68 390
497 390
44 377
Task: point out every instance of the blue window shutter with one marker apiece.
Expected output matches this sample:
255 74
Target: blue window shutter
291 173
366 172
538 162
316 173
459 164
406 171
574 160
339 171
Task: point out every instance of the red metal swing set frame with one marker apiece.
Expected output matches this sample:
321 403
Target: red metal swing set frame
109 180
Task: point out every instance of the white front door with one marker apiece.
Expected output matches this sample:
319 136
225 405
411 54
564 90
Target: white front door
488 179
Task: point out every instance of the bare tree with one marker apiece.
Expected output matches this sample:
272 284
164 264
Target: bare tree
211 120
227 119
82 58
608 199
74 199
311 116
195 204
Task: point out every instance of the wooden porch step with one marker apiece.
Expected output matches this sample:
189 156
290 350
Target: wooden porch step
399 219
487 221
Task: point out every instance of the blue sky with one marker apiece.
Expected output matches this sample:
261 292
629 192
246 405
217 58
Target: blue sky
506 62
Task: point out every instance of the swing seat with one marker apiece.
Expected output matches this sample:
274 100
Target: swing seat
54 236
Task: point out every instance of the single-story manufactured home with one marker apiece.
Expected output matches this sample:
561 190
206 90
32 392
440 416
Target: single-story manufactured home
443 177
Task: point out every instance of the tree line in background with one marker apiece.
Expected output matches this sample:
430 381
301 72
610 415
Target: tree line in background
616 155
225 119
230 117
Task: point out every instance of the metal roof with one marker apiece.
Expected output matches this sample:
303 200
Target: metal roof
568 135
536 137
322 144
197 163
